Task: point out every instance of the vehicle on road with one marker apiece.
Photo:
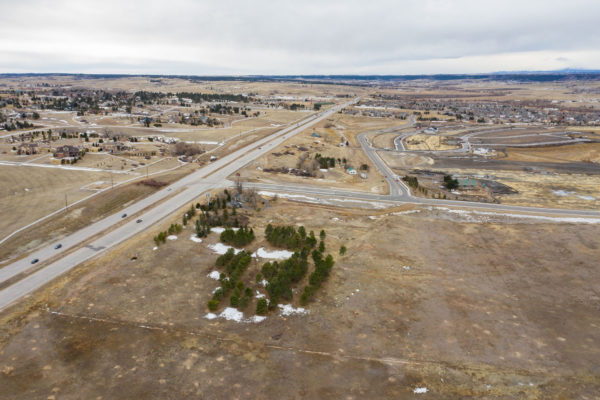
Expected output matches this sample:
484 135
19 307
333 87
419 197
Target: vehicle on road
138 221
123 216
35 260
58 246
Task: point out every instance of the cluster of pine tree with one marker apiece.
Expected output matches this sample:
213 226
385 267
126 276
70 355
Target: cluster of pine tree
238 238
235 265
281 276
322 269
290 238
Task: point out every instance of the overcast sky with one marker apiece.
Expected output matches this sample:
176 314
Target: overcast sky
298 36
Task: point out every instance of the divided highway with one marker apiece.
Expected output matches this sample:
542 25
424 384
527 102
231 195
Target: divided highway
171 198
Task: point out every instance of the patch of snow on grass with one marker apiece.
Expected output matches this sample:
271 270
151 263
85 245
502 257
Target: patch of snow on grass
486 214
258 318
220 248
220 230
195 239
584 197
420 390
264 282
217 288
287 309
405 212
232 314
172 237
259 295
276 254
155 248
214 275
562 192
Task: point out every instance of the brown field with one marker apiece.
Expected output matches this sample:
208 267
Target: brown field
427 142
464 309
585 152
29 193
77 217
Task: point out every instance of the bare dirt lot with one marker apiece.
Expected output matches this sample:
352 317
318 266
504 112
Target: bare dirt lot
463 308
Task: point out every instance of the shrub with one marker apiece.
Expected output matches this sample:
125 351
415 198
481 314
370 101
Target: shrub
261 307
213 304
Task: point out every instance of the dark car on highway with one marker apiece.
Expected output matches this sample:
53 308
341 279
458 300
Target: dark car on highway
58 246
138 221
34 260
123 216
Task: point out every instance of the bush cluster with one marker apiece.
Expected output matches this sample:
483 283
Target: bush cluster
162 236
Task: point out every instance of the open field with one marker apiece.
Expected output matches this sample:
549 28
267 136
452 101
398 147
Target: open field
477 310
577 191
585 152
428 142
29 193
77 217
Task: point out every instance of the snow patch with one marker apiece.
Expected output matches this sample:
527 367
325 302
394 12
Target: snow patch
287 309
172 237
486 216
195 239
420 390
155 248
264 282
220 248
220 230
214 275
232 314
276 254
584 197
217 288
562 193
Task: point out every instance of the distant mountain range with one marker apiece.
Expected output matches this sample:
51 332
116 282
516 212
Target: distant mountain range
518 76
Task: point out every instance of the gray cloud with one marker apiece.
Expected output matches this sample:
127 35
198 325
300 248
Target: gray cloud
278 37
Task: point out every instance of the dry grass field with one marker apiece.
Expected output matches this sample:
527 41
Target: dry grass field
586 152
29 193
427 142
77 217
423 299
